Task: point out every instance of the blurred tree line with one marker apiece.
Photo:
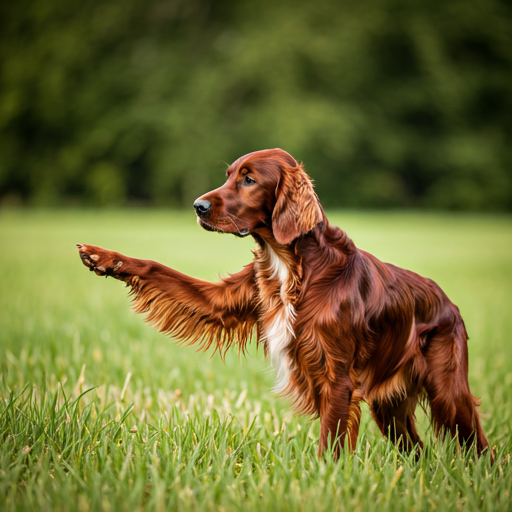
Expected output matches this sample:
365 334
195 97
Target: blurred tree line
389 103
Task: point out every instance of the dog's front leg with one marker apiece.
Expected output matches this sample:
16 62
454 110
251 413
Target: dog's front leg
109 263
339 417
187 308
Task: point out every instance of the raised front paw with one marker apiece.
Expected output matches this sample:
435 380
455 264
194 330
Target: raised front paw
100 261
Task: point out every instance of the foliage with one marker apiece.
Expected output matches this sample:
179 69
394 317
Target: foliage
100 412
390 103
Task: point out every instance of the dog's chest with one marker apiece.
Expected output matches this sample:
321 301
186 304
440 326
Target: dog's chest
275 283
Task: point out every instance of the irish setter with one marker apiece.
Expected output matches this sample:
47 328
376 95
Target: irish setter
338 325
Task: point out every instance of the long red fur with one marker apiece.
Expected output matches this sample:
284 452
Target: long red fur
356 328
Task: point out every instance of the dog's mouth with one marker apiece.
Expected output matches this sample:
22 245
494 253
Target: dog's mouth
240 233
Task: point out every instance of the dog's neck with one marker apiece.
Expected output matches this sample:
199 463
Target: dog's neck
269 245
301 258
322 237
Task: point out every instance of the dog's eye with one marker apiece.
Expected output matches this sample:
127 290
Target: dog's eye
248 181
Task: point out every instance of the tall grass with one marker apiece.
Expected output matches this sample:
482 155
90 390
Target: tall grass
100 412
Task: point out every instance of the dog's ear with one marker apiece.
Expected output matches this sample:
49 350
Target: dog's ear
297 208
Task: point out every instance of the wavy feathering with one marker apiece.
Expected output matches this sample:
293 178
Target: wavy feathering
202 316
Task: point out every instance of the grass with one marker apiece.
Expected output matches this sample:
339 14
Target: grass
100 412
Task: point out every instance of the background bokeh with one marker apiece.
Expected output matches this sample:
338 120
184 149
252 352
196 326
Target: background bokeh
390 103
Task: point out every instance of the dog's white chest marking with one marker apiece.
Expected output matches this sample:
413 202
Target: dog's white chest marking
279 332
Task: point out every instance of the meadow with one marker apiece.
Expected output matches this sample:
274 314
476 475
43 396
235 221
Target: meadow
99 412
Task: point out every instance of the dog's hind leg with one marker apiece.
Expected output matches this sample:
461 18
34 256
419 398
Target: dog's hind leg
453 407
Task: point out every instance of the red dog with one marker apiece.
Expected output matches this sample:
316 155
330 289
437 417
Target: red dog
338 325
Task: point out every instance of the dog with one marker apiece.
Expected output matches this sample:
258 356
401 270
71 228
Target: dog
338 325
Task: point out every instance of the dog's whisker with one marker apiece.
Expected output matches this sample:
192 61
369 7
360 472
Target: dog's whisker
234 223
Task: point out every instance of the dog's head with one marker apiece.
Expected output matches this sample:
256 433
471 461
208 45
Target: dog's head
264 189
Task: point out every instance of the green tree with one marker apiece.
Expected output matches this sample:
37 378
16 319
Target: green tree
391 103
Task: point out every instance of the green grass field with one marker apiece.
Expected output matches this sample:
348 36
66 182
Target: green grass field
100 412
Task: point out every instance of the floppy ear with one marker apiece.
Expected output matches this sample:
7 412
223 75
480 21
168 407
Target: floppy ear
297 208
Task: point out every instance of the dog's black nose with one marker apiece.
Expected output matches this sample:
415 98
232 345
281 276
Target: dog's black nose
202 206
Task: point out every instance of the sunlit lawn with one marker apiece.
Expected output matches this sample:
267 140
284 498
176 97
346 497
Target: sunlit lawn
161 426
